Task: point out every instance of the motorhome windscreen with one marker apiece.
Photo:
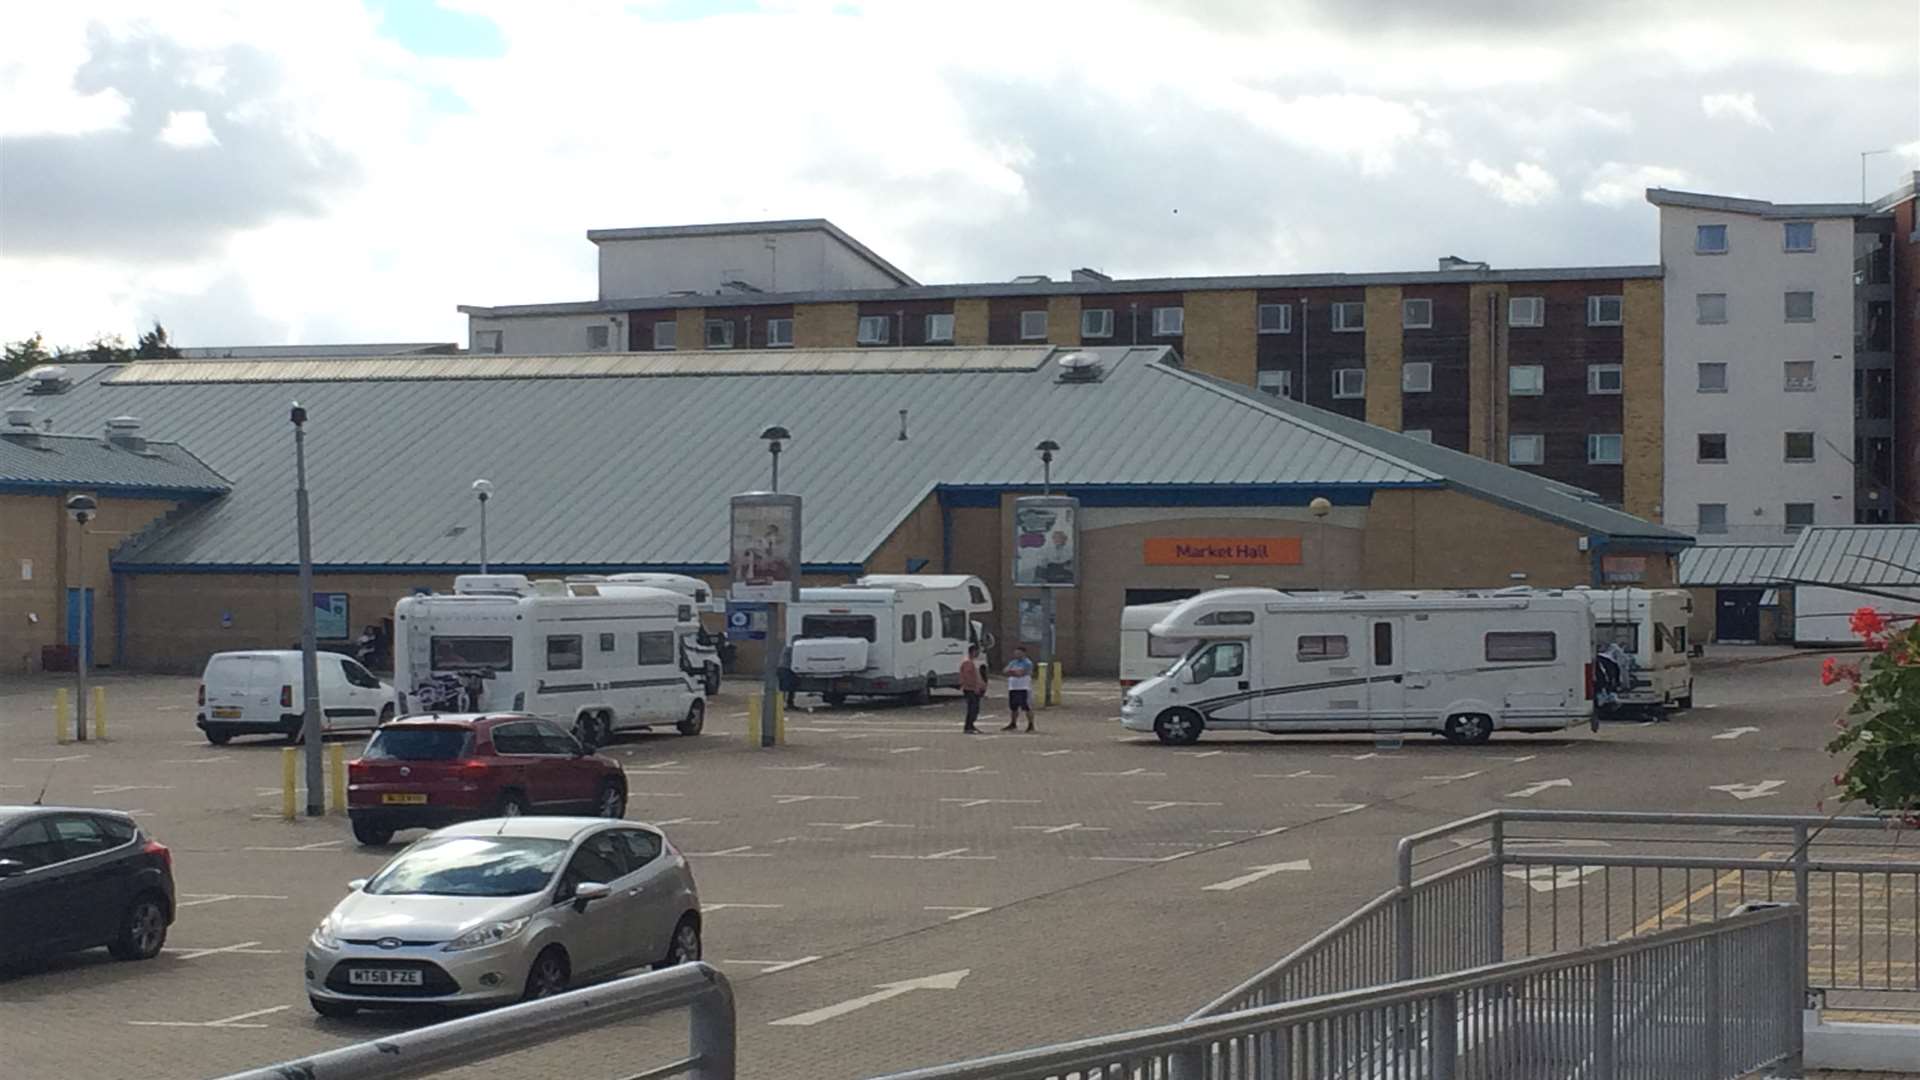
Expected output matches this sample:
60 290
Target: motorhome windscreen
472 653
1625 634
829 626
953 624
1168 647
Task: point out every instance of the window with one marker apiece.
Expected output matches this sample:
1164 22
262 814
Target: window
1710 239
1416 314
1166 648
642 847
939 328
1605 310
1419 434
1526 449
1603 449
1604 378
357 675
606 642
953 624
1277 383
1799 307
1624 634
1526 380
1276 318
666 334
1713 378
1799 516
1225 618
926 624
826 626
600 860
1713 519
31 844
1798 236
1033 326
874 329
719 333
909 628
1096 322
488 341
779 333
79 836
1799 375
564 652
472 653
1169 321
1350 316
1713 447
1416 378
597 338
656 647
1520 645
516 738
1314 647
1350 382
1382 644
419 744
1227 660
1799 446
1710 307
555 741
1527 311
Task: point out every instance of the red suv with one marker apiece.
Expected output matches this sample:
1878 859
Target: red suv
429 771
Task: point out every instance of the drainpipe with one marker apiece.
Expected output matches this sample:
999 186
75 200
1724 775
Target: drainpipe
1300 392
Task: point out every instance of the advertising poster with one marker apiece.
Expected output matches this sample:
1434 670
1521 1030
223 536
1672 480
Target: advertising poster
765 547
1033 620
330 616
1046 542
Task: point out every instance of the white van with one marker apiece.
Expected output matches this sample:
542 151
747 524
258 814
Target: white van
886 635
1457 663
1143 655
1651 625
699 654
595 664
263 693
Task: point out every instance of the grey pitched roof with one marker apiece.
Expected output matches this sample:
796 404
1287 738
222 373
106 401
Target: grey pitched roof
633 470
54 462
262 352
1758 207
737 228
1855 555
1731 564
1517 488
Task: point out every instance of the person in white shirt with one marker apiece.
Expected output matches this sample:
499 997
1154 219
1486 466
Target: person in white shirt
1019 673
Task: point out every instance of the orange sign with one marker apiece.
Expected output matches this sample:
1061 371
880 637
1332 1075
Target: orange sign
1223 551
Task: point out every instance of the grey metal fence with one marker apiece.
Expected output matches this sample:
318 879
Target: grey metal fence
1707 1002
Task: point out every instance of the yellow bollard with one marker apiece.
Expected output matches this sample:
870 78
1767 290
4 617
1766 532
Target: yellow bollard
60 715
337 757
100 713
753 719
779 721
289 768
1054 682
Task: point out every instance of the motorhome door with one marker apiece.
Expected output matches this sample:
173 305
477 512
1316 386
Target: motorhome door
1222 676
1386 661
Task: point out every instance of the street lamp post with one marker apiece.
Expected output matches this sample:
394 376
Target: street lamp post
483 490
1046 448
1319 508
776 436
82 508
309 655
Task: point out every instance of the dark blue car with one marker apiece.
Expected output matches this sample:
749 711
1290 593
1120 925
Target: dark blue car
73 879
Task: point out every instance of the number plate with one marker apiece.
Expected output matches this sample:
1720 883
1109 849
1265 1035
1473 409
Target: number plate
226 712
404 799
385 977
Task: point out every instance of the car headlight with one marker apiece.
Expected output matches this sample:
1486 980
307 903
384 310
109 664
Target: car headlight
490 934
324 934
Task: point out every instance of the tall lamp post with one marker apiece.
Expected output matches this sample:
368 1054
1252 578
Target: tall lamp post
776 437
483 490
1046 449
1319 507
81 508
309 656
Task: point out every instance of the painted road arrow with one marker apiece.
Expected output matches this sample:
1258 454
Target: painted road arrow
1258 873
948 980
1537 787
1734 733
1759 789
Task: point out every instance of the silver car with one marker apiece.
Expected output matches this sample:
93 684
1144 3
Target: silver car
506 908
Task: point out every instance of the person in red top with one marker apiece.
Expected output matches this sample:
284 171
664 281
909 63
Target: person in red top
973 686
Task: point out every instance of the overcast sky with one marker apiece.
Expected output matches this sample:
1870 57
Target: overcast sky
272 173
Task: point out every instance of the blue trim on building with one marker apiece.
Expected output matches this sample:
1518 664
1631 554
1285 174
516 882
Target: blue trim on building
979 495
123 491
530 569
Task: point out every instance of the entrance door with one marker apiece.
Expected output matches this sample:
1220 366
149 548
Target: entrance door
80 614
1737 615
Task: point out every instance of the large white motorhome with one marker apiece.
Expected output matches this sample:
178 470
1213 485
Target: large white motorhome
885 635
1142 655
1651 626
699 653
596 664
1461 664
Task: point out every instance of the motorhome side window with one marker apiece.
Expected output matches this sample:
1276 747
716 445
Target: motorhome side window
1382 644
1659 638
656 647
1313 647
684 613
1225 618
906 628
606 642
926 624
472 653
563 652
976 595
1624 634
1521 645
1227 660
953 624
823 626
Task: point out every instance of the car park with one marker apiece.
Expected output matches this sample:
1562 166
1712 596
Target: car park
429 771
263 692
503 909
74 879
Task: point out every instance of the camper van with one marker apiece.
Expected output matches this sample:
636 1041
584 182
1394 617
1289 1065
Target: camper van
1458 663
1651 626
885 635
595 664
1142 655
699 653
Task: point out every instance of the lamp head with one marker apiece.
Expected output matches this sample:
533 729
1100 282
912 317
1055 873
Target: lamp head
483 489
1319 507
81 507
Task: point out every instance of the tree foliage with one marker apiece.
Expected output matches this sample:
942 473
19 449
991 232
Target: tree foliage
28 353
1881 728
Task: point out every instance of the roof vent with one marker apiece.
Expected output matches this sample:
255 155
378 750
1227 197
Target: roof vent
124 432
1079 367
20 416
19 428
1088 273
492 585
1455 262
48 379
1032 279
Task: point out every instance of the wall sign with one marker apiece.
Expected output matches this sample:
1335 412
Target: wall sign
765 547
1046 547
330 616
1223 551
1623 569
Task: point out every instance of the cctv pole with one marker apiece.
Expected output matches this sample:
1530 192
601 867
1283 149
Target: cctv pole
776 628
309 656
1046 594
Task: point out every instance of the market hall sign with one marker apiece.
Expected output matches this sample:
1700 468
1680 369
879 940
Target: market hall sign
1223 551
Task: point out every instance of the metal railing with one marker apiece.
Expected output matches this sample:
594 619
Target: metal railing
698 988
1705 1002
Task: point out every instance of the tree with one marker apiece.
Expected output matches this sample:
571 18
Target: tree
24 355
154 345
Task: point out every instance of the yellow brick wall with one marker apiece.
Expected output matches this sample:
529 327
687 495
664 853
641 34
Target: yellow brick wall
1438 539
691 328
1487 371
1219 339
918 536
825 326
36 528
1384 355
1643 401
969 322
1063 320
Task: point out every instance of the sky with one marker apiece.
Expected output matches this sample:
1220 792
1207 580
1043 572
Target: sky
339 171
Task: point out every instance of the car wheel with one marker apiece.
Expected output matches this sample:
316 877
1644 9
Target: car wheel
512 804
370 834
611 802
333 1010
1179 727
685 946
712 686
549 974
143 929
696 719
1469 729
1684 702
219 738
386 714
834 700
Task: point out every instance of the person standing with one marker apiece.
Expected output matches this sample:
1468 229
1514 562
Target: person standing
973 687
1019 672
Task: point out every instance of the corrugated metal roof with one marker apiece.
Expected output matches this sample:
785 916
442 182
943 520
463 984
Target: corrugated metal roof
1731 564
268 352
1856 555
75 461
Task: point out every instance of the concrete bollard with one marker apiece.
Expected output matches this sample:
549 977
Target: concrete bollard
337 758
60 716
289 793
100 712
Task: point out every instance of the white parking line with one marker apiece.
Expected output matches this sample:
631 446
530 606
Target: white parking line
50 760
744 851
215 898
214 760
115 789
1141 772
1167 804
1299 774
856 826
817 766
317 845
682 821
1141 858
1071 827
958 853
964 912
1342 807
906 749
784 800
768 967
1048 753
705 908
223 1022
247 947
1448 779
968 803
655 795
971 770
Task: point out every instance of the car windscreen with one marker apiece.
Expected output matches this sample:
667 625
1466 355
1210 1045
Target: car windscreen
472 653
825 626
419 744
471 866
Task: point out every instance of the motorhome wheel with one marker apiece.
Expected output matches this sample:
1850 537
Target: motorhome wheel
696 719
833 699
1469 729
1178 727
712 679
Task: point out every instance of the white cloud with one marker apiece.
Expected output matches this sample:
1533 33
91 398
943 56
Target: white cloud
1736 106
1527 185
187 130
1619 184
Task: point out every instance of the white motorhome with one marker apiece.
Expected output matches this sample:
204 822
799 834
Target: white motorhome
885 635
1143 655
1651 626
1457 663
699 653
596 664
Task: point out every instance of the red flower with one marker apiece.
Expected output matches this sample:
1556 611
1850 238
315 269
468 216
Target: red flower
1867 622
1833 671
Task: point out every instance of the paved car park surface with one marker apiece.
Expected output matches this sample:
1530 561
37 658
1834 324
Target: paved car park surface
884 891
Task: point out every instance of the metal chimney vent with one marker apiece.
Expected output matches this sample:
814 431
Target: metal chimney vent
19 428
48 379
124 432
1079 367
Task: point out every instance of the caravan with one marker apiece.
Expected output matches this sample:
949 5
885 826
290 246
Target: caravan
1143 654
886 635
594 664
1460 664
699 652
1650 626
